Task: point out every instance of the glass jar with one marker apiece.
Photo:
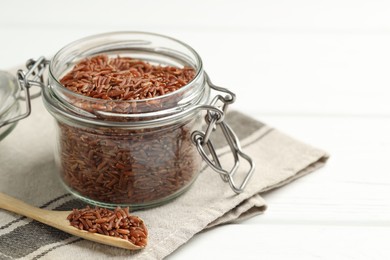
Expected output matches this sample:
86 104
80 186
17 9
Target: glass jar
137 153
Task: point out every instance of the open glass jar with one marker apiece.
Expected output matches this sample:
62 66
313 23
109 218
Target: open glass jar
137 153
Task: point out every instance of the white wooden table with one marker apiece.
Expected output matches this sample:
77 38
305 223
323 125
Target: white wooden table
318 70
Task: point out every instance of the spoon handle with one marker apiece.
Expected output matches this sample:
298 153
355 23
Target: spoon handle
19 207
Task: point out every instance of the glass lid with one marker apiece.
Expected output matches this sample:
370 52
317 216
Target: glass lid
9 105
9 92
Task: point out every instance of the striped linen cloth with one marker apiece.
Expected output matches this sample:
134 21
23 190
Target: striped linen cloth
27 173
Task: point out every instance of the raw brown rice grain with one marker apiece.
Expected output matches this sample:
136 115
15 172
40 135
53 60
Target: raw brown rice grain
126 166
131 226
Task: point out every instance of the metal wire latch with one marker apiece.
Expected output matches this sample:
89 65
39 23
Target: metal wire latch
215 118
33 77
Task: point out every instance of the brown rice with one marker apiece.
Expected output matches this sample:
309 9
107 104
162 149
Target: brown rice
118 223
127 166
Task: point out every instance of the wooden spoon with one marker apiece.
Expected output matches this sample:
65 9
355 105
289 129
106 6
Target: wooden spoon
57 219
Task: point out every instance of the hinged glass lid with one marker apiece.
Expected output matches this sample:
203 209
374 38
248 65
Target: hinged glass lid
10 90
9 105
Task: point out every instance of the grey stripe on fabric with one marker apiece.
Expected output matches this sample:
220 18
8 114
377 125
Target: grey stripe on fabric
242 125
243 146
54 200
57 246
28 238
12 222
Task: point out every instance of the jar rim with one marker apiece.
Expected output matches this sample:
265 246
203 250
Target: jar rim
58 111
198 72
182 103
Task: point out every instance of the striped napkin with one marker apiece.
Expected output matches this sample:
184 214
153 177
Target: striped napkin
27 173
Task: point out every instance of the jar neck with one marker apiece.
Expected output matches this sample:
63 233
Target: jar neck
184 111
152 48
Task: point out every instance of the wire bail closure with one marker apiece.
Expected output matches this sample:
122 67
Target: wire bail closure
215 118
33 77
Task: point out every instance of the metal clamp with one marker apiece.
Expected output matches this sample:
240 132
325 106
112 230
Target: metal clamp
33 77
215 118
